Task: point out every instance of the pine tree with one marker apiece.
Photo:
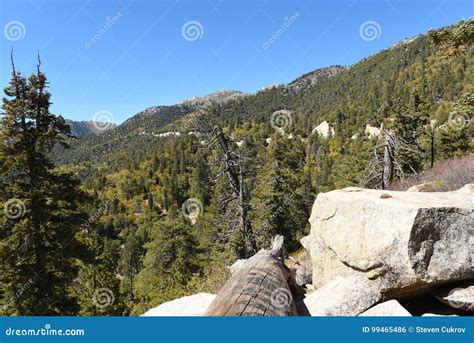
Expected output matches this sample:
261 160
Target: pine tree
455 135
41 217
169 263
279 206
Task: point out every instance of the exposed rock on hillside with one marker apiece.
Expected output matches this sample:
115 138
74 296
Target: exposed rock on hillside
312 78
217 97
372 132
324 130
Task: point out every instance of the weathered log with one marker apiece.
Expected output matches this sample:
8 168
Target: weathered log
259 288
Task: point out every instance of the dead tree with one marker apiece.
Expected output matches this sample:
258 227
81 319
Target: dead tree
261 287
387 162
231 166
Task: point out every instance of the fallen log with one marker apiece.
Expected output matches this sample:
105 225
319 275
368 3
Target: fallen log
259 288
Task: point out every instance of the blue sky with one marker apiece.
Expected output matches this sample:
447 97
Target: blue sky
143 55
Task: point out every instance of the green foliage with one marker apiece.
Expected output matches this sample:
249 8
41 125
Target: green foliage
454 39
40 224
138 245
169 263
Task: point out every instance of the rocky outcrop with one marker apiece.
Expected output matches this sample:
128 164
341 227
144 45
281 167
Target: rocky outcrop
387 309
402 243
193 305
324 130
372 131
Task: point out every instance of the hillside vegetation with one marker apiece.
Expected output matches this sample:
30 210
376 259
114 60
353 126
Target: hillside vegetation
162 219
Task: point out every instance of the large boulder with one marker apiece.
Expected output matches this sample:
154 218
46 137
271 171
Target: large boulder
403 242
193 305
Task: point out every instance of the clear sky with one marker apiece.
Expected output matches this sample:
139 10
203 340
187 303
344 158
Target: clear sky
123 56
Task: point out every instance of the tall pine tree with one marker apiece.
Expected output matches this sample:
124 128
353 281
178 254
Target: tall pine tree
41 217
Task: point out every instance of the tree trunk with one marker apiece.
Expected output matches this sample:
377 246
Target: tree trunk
259 288
238 190
388 161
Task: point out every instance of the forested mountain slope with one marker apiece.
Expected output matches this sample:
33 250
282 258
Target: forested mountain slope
163 196
349 98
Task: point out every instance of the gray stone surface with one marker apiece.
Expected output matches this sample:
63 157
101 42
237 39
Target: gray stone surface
193 305
387 309
404 242
343 297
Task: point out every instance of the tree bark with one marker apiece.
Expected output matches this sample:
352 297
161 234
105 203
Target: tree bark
259 288
388 161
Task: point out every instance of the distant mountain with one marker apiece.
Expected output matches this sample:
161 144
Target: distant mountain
311 78
83 128
218 97
348 98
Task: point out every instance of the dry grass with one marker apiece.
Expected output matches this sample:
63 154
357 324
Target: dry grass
451 175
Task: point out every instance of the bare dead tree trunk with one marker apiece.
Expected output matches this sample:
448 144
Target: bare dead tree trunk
234 172
388 161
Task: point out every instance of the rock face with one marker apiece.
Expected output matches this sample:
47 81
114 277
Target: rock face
372 132
387 309
459 297
324 130
343 297
193 305
402 243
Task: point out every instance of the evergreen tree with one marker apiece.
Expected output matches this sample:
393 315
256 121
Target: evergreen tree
38 243
279 207
170 261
